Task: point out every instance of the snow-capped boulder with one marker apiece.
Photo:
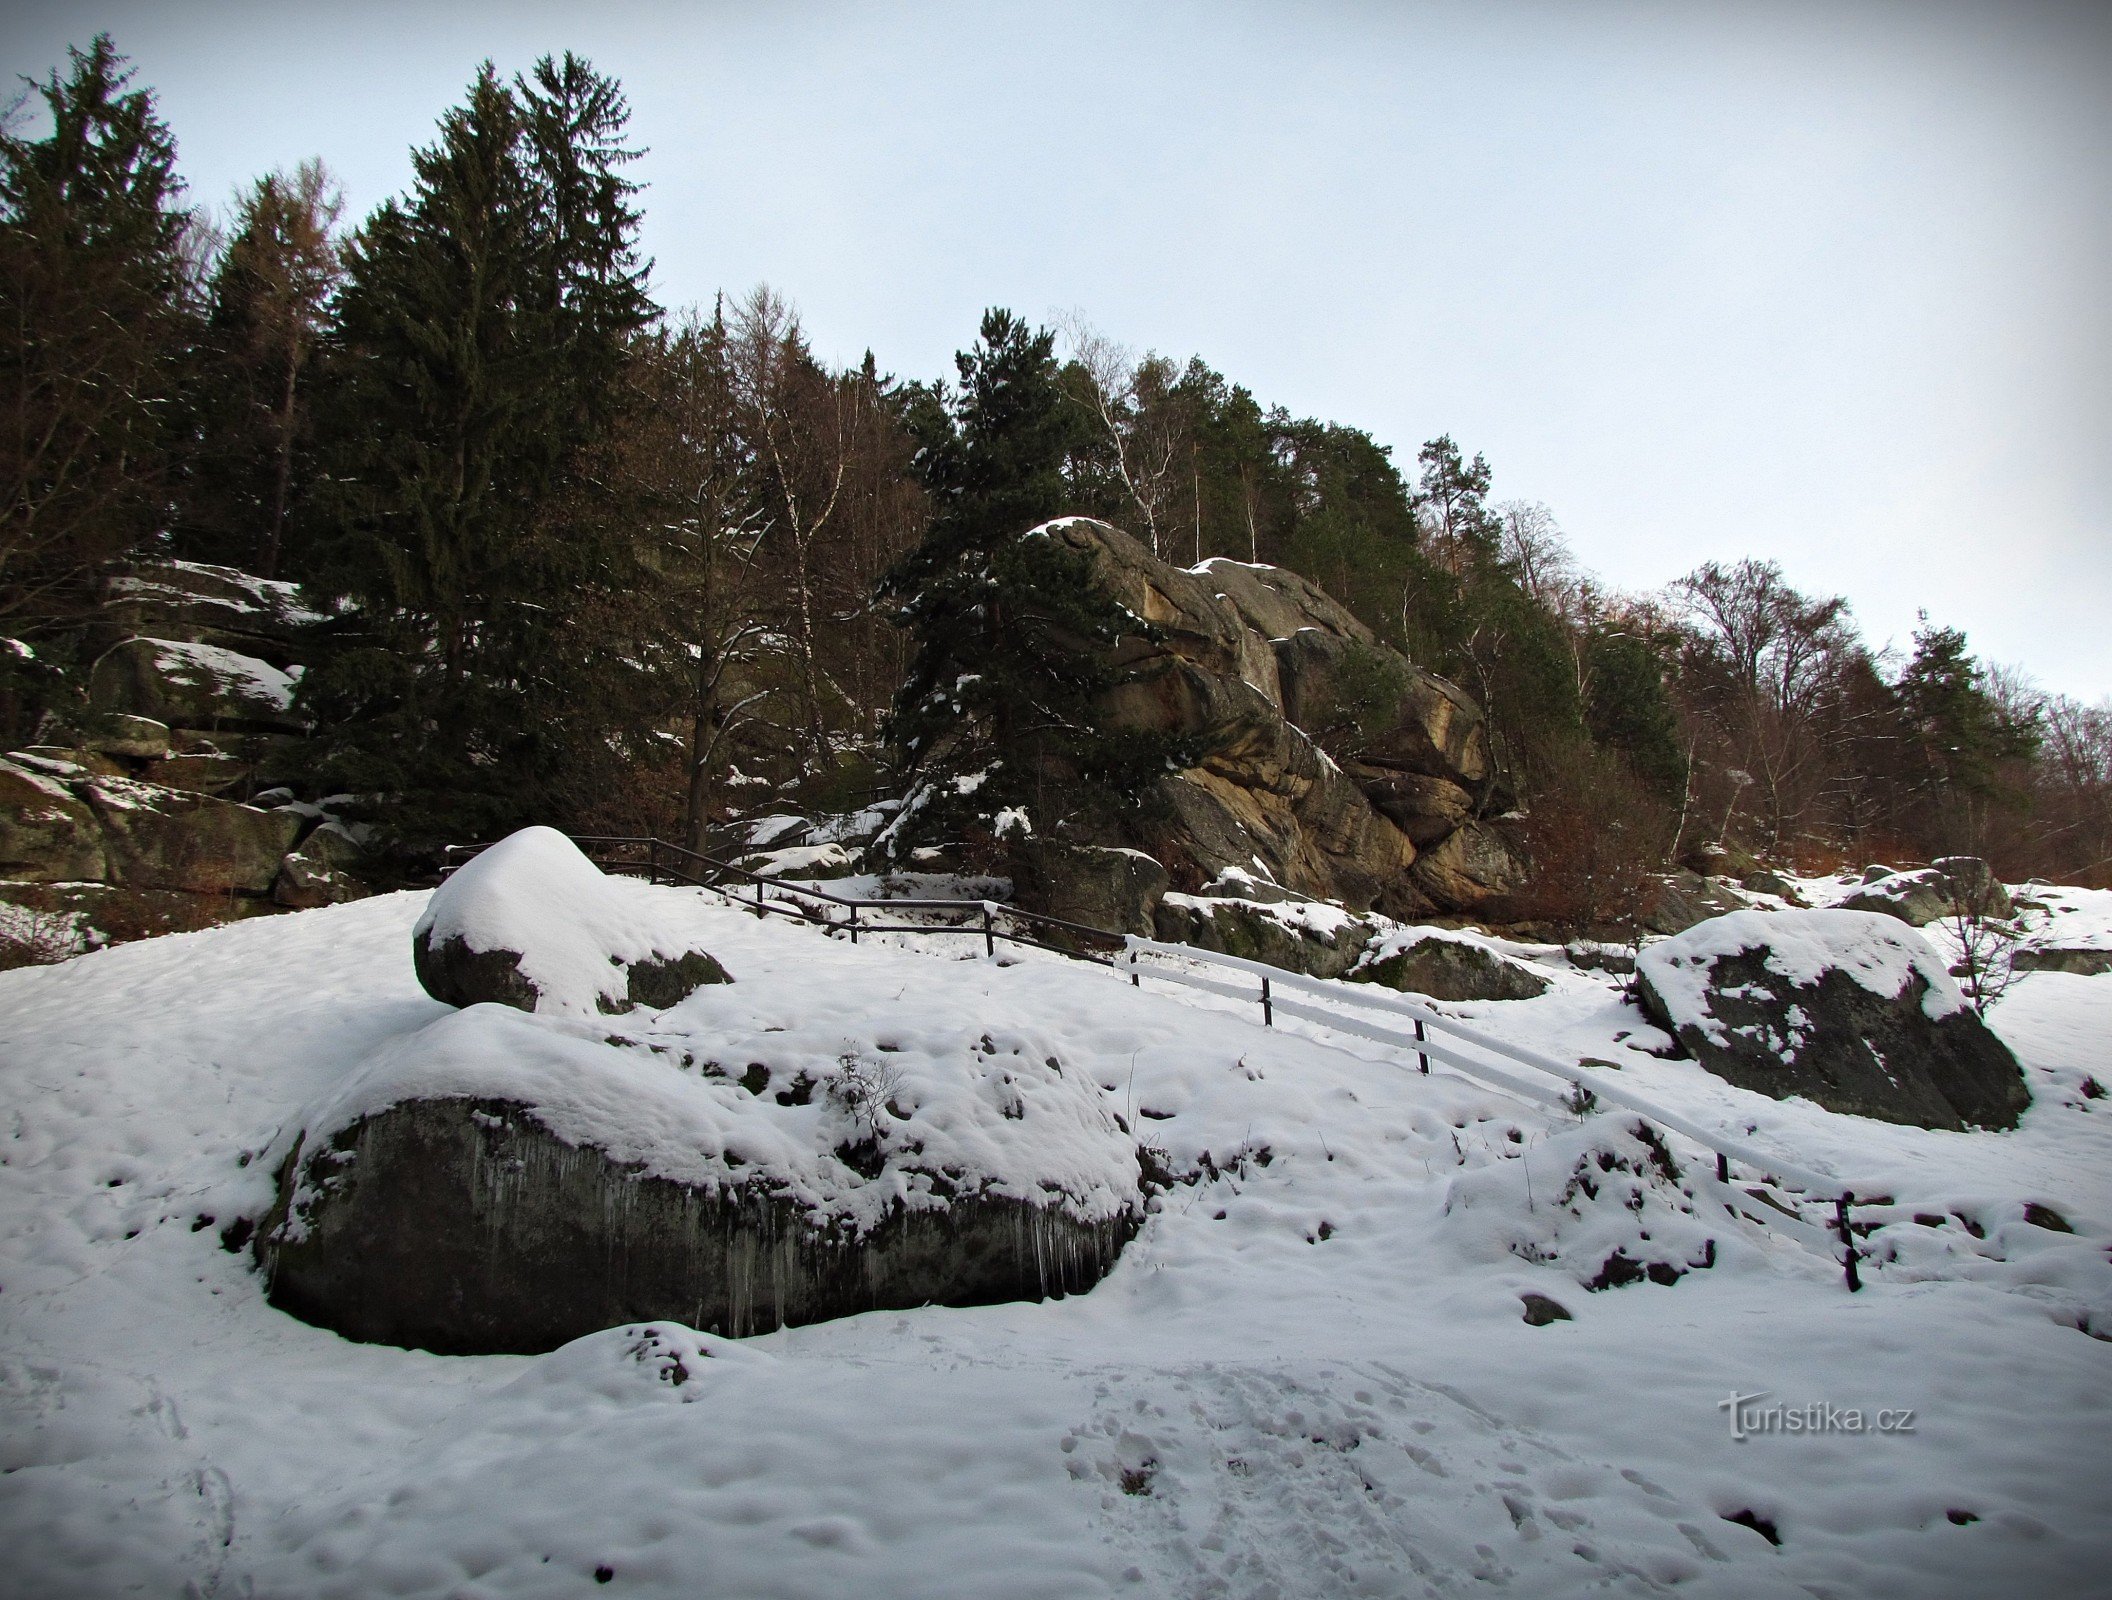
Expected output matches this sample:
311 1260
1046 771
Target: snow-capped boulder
498 1182
1098 886
1951 885
1300 936
187 685
532 923
1445 966
1846 1008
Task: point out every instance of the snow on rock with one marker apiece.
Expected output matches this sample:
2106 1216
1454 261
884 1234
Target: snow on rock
533 923
1850 1008
500 1182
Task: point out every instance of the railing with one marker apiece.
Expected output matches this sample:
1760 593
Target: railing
662 862
1425 1021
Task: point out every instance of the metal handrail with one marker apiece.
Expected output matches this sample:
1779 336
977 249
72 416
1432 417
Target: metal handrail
1425 1019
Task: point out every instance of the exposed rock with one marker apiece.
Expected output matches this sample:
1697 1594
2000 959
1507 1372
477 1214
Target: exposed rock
531 923
1954 884
465 1227
1256 664
1974 886
1317 940
164 839
201 774
1472 864
117 734
1540 1310
1764 882
1451 969
498 1182
1845 1008
1685 898
46 834
190 685
1094 885
2083 960
307 880
201 604
67 762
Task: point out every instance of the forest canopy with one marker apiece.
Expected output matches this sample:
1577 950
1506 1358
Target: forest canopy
583 558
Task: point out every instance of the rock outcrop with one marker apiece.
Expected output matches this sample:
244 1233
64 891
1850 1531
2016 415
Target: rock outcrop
1267 672
161 783
1846 1008
531 923
501 1182
1442 967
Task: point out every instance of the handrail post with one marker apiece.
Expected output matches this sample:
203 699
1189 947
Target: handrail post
1723 1167
1268 1006
1135 981
854 924
1419 1056
758 899
989 936
1840 1218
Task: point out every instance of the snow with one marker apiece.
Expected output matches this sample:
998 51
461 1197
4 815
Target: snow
1307 1376
667 1097
1879 952
573 927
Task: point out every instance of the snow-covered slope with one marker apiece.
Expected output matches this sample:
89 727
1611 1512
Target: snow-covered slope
1309 1374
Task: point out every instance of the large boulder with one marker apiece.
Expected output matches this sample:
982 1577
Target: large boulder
505 1183
1320 940
532 923
203 604
1685 897
1946 888
1845 1008
1096 886
1333 761
159 838
1444 966
47 835
188 685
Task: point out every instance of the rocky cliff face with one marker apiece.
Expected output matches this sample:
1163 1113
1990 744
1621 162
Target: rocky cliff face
1271 674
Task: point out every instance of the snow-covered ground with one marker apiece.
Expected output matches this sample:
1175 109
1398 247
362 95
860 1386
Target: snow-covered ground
1309 1374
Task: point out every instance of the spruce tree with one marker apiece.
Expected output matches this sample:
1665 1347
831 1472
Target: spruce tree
998 717
478 361
97 310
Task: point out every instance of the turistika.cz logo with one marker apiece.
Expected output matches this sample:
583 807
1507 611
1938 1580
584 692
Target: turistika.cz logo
1750 1417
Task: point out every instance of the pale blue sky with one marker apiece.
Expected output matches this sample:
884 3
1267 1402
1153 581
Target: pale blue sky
1819 282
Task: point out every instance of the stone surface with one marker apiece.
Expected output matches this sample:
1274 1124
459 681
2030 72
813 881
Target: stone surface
467 1227
187 685
1327 948
1099 887
1952 885
306 881
1255 664
47 835
1453 969
1685 898
1776 1024
165 839
116 733
2082 960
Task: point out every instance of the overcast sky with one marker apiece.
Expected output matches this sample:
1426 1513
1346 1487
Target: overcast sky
1825 283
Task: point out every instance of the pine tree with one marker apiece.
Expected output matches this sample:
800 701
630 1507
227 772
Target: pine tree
1014 647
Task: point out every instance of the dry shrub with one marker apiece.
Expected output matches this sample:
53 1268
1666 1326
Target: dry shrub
1595 838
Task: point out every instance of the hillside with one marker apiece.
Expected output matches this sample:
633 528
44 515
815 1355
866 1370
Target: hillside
1309 1373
